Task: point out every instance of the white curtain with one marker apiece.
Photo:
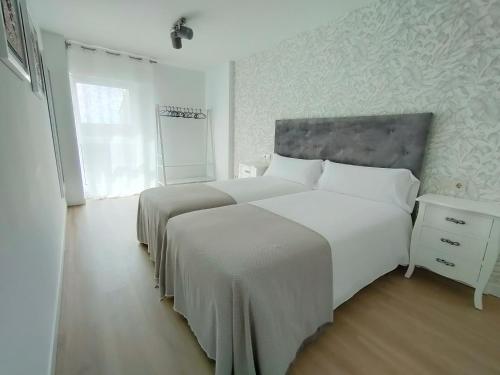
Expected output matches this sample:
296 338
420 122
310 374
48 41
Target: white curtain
113 101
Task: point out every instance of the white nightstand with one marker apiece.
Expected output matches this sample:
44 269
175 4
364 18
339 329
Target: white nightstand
456 238
252 169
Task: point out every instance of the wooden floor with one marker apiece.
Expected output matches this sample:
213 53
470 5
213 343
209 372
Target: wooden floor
112 321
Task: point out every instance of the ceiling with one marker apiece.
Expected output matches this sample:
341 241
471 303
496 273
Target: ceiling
223 29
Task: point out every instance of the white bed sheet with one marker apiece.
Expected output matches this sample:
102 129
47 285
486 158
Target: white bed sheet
367 238
245 190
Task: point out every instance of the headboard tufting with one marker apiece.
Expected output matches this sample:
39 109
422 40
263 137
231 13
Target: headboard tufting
390 141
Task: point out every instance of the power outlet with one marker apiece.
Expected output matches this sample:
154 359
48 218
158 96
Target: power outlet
267 157
453 186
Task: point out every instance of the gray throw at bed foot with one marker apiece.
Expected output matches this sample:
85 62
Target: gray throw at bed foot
158 205
252 285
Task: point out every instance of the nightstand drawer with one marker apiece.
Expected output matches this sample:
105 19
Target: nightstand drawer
450 266
453 244
458 221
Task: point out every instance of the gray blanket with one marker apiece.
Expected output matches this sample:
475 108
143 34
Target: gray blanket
252 285
158 205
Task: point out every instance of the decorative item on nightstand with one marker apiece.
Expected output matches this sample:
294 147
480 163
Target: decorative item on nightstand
252 169
457 238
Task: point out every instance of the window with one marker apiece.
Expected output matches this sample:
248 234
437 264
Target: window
102 104
113 103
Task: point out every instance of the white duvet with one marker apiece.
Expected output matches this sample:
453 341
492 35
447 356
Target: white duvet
244 190
367 238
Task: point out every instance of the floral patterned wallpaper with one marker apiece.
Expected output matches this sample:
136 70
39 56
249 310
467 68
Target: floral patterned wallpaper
440 56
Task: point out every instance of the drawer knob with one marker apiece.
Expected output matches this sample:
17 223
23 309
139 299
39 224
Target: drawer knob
455 221
450 242
445 262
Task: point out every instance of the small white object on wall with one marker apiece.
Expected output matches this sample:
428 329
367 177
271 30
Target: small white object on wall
457 238
252 169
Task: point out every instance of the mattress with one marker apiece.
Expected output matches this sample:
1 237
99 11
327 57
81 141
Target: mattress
367 238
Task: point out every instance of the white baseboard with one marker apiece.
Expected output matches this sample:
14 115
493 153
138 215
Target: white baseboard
55 333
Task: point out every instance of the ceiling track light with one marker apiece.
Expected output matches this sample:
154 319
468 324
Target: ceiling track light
179 32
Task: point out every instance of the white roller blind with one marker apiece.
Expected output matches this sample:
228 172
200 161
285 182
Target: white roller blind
113 101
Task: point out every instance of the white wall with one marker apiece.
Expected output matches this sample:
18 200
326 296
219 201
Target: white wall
56 61
32 216
180 87
219 96
184 138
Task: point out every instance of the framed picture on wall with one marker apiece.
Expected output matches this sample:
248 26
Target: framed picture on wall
34 55
13 51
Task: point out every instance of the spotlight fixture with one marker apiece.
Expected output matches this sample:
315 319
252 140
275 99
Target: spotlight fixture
179 32
176 41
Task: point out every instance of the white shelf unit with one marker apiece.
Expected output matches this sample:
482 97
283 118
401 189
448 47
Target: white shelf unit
185 152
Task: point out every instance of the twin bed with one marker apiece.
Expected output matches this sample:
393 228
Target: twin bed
263 270
158 205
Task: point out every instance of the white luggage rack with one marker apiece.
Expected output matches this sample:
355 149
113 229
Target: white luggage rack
185 147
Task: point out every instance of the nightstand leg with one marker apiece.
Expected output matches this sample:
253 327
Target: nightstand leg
409 271
489 261
478 299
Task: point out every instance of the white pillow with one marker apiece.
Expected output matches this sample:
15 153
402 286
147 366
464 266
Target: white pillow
396 186
303 171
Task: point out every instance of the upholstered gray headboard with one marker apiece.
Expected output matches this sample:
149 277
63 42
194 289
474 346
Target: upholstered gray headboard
390 141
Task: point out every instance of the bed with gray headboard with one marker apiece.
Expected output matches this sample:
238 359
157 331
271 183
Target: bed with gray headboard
254 280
